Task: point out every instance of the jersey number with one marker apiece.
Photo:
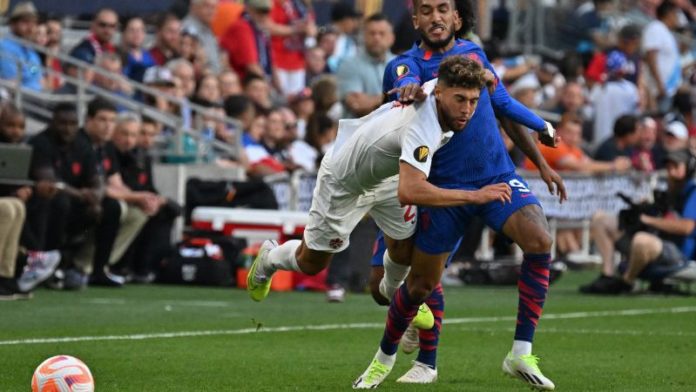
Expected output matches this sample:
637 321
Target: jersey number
519 185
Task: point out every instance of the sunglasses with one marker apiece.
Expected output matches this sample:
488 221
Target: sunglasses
291 126
106 25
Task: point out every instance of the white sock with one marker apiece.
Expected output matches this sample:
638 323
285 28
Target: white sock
384 359
394 276
283 258
521 347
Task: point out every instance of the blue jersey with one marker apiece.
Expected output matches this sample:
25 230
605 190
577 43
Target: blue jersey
478 152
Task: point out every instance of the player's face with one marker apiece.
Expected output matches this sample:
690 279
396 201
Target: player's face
456 105
436 22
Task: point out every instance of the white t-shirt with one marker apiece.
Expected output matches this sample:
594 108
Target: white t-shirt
304 155
368 150
611 101
656 36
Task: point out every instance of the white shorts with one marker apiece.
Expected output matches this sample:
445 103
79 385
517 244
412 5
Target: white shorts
335 212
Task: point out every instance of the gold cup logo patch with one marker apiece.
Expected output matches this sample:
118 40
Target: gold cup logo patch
421 153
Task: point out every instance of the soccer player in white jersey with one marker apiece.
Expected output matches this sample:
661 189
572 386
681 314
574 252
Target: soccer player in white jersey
380 165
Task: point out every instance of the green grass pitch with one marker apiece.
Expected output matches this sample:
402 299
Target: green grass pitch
628 343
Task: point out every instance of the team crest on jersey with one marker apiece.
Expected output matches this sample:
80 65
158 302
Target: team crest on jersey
421 153
336 243
401 69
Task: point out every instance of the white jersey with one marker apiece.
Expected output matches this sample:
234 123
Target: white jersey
368 150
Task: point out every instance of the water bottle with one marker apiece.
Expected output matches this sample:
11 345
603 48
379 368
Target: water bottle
206 150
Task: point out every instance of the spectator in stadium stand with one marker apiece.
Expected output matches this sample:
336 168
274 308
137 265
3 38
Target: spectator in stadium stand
102 32
153 242
614 98
23 19
60 219
13 229
124 212
137 59
624 139
261 163
360 77
675 136
240 108
167 39
161 79
572 99
346 20
325 97
275 139
208 89
150 131
316 64
303 106
183 70
307 152
258 89
115 83
190 49
200 18
292 22
661 55
229 84
648 155
247 42
588 28
568 156
326 41
54 35
628 44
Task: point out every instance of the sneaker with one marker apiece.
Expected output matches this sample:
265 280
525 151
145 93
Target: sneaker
607 285
40 266
419 373
424 319
258 284
56 281
336 293
410 342
106 278
75 280
526 368
373 375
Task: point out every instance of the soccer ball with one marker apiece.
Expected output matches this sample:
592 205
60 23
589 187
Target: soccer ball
62 373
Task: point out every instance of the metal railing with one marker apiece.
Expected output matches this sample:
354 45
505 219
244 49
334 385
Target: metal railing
86 90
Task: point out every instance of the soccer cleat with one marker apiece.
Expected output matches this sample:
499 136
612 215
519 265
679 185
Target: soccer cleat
258 284
373 375
40 266
409 341
526 368
420 373
424 319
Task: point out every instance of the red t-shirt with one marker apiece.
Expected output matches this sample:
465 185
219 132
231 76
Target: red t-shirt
240 44
288 52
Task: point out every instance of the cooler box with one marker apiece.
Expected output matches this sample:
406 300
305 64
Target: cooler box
254 225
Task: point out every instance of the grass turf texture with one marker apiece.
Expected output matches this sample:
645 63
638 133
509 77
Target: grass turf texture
647 352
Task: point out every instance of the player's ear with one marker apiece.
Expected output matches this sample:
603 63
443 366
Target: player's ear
437 91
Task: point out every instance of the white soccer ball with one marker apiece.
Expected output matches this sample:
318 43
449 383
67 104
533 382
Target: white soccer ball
62 373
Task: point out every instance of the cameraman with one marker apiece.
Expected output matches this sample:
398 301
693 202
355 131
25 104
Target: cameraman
653 257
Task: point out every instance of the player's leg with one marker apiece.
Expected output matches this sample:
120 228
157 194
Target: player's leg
523 221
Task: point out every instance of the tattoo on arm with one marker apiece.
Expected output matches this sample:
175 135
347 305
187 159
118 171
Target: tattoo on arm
523 140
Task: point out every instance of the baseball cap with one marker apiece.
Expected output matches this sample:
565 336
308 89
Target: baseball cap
678 130
23 10
159 76
259 4
617 63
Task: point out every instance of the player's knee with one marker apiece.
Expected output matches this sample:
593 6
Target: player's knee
645 242
420 289
540 242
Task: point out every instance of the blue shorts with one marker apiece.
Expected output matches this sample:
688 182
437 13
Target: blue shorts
380 247
439 229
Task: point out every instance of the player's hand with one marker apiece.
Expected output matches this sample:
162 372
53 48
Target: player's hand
494 192
554 182
548 136
491 81
409 93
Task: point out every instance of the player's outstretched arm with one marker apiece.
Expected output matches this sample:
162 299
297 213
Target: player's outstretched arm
414 189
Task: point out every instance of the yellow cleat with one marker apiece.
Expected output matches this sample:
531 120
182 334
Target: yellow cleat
424 318
258 284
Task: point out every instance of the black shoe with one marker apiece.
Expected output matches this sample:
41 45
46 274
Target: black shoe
7 293
607 285
75 280
106 279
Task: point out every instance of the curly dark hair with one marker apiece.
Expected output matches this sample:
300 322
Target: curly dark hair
460 71
468 16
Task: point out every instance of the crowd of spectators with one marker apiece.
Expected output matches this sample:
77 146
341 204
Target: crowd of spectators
620 91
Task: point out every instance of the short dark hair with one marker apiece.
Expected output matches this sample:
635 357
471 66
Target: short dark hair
467 15
630 32
65 107
665 8
235 105
625 125
148 120
99 104
164 19
460 71
377 17
250 77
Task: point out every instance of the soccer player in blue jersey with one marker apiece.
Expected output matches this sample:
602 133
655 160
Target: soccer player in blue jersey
474 158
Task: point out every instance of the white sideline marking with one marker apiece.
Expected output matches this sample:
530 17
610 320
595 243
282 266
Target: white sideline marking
195 303
328 327
622 332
